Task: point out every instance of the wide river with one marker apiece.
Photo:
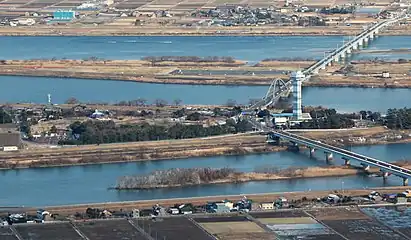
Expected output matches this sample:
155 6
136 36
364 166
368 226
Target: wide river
85 184
35 89
248 48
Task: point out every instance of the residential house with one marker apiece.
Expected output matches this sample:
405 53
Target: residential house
267 205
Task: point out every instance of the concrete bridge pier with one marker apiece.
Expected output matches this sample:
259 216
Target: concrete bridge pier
405 181
349 51
274 140
384 175
347 161
365 40
342 54
293 147
355 46
337 58
328 157
360 42
372 36
366 167
312 151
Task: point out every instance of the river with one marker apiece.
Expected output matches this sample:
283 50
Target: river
35 89
248 48
86 184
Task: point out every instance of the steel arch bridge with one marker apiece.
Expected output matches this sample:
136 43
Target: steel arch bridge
278 88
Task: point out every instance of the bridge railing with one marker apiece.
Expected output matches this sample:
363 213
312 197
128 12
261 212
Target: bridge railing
342 48
369 160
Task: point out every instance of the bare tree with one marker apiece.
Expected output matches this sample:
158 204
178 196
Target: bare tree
141 101
72 100
177 101
160 102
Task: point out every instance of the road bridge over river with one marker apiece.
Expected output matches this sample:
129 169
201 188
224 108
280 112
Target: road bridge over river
329 150
281 88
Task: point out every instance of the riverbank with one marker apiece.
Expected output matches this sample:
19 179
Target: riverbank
265 197
79 30
356 74
171 72
237 144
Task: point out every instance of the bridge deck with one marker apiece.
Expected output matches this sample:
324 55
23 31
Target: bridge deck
388 167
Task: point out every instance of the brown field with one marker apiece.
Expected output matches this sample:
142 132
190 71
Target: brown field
48 231
233 230
338 214
109 229
280 214
231 227
282 220
173 229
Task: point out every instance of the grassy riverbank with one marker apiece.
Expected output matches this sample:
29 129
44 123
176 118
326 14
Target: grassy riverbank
87 30
355 74
237 144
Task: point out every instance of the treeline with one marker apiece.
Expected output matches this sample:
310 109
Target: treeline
5 117
398 118
173 177
326 119
188 59
97 132
329 118
295 59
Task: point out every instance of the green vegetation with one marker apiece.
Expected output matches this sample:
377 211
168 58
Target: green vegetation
96 132
399 118
327 119
5 117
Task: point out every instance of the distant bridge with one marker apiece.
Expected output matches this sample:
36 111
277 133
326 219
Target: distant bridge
280 88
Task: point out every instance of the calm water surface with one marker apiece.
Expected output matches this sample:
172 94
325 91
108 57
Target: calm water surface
249 48
85 184
35 89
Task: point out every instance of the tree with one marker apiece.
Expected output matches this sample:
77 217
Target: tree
160 102
141 101
5 117
194 116
72 100
53 129
177 101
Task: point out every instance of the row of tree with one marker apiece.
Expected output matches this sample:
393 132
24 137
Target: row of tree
398 118
173 177
188 59
96 132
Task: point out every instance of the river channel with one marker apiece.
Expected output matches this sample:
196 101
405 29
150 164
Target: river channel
248 48
86 184
35 89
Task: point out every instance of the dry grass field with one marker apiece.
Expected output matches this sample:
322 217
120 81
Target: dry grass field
296 220
242 230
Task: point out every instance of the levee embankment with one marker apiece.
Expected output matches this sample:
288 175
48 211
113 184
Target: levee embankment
137 151
236 144
265 197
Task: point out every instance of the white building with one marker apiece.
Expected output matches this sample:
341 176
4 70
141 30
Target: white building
297 78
